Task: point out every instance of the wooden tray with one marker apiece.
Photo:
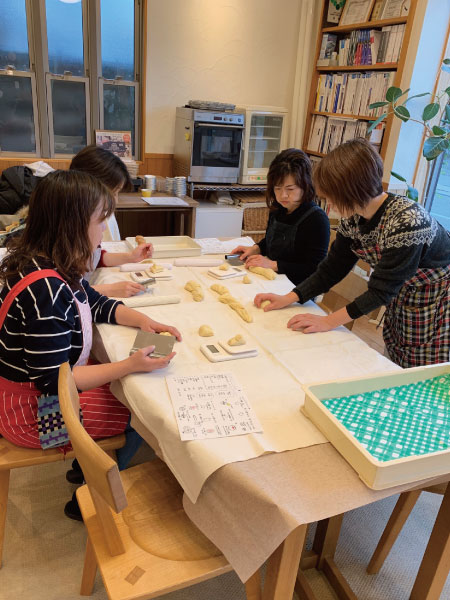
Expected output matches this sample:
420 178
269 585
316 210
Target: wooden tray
376 474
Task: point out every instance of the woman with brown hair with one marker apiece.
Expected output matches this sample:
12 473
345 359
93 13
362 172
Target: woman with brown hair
46 315
112 172
407 249
298 231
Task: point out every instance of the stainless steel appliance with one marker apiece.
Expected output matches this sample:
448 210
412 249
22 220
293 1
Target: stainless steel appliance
208 145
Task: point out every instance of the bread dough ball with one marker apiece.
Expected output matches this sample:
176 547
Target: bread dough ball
219 289
224 267
264 303
165 333
140 239
205 331
246 279
156 268
267 273
237 340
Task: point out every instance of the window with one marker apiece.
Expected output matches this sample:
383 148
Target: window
68 67
438 193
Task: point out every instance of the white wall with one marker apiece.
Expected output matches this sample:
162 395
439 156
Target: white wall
426 65
239 51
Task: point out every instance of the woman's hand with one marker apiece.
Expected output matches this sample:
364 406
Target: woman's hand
155 327
141 252
140 361
121 289
276 301
309 323
246 251
258 260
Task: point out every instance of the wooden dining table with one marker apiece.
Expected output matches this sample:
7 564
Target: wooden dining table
258 509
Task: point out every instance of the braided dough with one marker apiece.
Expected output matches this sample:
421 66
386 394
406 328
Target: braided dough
267 273
196 290
219 289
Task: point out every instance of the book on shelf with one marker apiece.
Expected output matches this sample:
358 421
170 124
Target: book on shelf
369 46
327 48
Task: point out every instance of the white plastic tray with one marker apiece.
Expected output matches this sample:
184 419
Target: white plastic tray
170 246
376 474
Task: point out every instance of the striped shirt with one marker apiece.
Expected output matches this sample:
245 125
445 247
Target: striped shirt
42 328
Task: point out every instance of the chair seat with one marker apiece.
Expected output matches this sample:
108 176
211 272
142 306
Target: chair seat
13 457
164 550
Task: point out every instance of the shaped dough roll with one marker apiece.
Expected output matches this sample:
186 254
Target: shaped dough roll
246 279
267 273
224 267
205 331
192 285
237 340
245 316
156 268
197 295
219 289
140 239
264 303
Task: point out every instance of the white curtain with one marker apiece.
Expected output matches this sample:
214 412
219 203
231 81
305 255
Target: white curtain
310 11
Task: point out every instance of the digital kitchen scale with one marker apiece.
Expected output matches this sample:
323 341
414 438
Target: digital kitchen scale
220 351
219 273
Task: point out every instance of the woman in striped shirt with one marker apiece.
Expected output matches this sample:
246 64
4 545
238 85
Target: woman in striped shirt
50 321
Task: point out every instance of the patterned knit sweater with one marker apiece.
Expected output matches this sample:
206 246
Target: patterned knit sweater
401 238
42 329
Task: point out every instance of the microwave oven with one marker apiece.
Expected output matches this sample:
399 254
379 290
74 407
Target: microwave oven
264 138
208 145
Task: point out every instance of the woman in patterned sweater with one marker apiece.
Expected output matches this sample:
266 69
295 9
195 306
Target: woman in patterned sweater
407 249
50 321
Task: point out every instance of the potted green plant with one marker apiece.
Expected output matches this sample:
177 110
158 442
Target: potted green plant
437 136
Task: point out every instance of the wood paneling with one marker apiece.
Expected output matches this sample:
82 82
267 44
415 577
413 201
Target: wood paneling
157 164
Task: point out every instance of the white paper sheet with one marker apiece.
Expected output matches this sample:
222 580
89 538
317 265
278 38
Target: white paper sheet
215 246
165 201
115 246
210 406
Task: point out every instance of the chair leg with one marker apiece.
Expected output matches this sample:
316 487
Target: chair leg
89 570
253 588
398 518
4 488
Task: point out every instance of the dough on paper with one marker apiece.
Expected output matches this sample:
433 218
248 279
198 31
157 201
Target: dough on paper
156 268
267 273
219 289
237 340
205 331
246 279
192 285
224 267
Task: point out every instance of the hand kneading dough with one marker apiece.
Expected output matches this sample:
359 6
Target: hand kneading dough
205 331
219 289
156 268
264 303
267 273
246 279
237 340
140 239
165 333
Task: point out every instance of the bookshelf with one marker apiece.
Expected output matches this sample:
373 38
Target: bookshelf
339 113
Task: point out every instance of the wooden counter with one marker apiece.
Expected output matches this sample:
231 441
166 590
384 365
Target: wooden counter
136 217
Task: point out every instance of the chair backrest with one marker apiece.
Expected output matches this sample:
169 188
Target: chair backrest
100 471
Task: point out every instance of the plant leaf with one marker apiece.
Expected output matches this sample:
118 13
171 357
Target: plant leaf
412 193
434 146
397 176
447 91
375 123
416 96
446 61
393 94
430 111
438 130
402 113
378 104
447 112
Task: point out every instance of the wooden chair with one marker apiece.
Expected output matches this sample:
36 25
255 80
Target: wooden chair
138 533
398 518
14 457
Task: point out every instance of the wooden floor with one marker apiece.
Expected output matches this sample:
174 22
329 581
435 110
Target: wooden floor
370 333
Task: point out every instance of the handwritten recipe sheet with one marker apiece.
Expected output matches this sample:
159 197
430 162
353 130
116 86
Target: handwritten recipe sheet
210 406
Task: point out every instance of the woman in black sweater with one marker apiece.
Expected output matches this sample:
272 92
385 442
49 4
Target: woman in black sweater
407 249
298 231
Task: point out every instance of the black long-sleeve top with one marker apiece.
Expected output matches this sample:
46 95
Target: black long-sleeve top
311 242
399 239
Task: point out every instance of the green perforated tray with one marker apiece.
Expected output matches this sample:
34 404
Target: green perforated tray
392 429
